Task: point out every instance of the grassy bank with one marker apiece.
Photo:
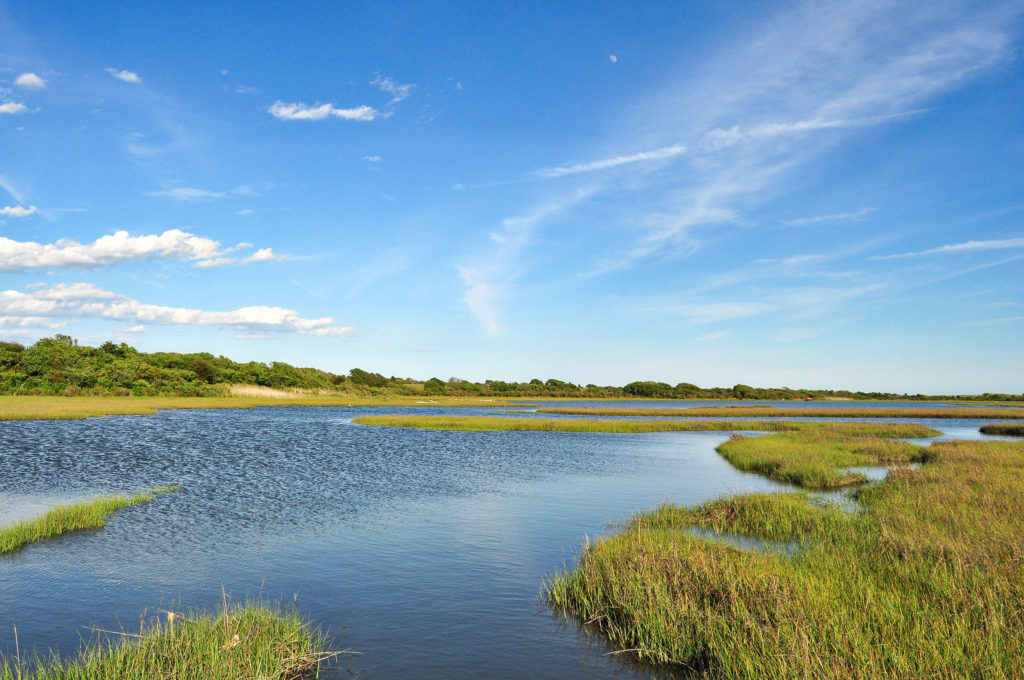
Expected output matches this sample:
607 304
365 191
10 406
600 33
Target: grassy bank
255 641
72 408
66 518
926 580
489 423
794 412
1010 429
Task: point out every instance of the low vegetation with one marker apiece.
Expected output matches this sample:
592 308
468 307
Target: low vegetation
254 641
925 580
488 423
63 519
60 366
790 412
70 408
1009 429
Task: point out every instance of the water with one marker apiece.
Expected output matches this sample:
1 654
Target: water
423 551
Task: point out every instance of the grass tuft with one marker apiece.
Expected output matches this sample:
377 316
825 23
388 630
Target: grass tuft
77 517
1009 429
254 641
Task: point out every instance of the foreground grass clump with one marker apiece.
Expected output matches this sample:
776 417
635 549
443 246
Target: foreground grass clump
255 641
794 412
926 580
1011 429
489 423
77 517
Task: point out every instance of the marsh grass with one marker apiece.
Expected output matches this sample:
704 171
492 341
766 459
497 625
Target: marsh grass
1009 429
491 423
736 411
254 641
72 408
77 517
925 580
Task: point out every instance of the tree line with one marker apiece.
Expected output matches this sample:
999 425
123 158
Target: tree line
58 365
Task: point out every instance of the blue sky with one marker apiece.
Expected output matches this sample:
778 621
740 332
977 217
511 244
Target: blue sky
803 194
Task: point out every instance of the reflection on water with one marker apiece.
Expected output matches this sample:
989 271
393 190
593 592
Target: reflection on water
424 551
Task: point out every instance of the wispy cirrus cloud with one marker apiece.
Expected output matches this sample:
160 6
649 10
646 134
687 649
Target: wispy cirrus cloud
299 111
965 247
17 211
78 300
490 280
830 218
125 76
118 248
192 194
603 164
30 81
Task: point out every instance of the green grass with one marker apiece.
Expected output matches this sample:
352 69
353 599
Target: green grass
488 423
66 518
1011 429
254 641
925 580
815 458
792 412
72 408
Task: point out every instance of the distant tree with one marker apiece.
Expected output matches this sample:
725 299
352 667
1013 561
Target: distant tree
204 369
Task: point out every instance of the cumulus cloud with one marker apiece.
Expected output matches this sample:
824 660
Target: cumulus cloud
12 107
17 211
372 159
397 91
77 300
261 255
120 247
126 76
299 111
657 154
966 247
30 81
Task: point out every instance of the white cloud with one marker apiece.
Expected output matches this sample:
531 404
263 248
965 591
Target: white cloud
126 76
714 335
17 211
828 219
666 152
76 300
265 255
373 159
300 111
397 91
12 107
966 247
612 58
722 138
214 262
121 247
30 81
188 194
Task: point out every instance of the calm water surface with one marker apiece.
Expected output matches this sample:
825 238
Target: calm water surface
423 551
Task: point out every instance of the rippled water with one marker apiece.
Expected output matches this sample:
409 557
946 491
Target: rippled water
423 551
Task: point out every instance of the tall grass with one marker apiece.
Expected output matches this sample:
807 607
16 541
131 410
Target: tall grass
1011 429
794 412
77 517
489 423
926 580
254 641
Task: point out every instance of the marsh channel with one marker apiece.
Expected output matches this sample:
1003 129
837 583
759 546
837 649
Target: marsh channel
424 552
